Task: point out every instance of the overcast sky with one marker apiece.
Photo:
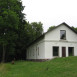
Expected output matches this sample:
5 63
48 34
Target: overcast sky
51 12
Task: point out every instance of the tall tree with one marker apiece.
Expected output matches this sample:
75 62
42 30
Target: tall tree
10 17
20 48
27 33
33 31
37 29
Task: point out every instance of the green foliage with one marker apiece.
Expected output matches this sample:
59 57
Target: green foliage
75 28
15 33
52 27
33 30
58 67
10 16
37 29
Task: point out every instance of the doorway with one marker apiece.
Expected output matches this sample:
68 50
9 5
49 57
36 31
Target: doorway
71 51
63 51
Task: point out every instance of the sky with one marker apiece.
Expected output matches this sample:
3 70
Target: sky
51 12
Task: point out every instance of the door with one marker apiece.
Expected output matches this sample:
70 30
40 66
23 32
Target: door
71 51
63 51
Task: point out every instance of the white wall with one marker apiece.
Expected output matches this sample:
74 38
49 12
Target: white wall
55 34
52 38
49 48
36 51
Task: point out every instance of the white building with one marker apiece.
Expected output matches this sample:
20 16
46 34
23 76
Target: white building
59 42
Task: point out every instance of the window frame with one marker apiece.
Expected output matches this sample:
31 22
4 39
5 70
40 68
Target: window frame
57 51
65 35
71 51
38 51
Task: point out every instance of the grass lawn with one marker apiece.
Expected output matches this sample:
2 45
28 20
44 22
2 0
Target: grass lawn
58 67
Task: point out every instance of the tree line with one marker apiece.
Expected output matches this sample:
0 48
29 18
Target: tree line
52 27
15 32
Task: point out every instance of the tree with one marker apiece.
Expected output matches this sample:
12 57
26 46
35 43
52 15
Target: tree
16 33
38 29
52 27
35 30
27 34
10 17
74 28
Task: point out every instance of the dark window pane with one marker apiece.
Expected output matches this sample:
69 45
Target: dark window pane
55 51
70 51
63 34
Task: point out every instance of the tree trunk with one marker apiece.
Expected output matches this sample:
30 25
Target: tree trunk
3 56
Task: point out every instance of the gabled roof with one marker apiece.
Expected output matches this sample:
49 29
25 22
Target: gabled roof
62 24
42 36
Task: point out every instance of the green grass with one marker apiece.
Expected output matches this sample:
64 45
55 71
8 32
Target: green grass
58 67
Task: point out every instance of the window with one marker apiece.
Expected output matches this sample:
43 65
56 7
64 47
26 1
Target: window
33 52
71 51
36 48
63 34
55 51
38 51
28 53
